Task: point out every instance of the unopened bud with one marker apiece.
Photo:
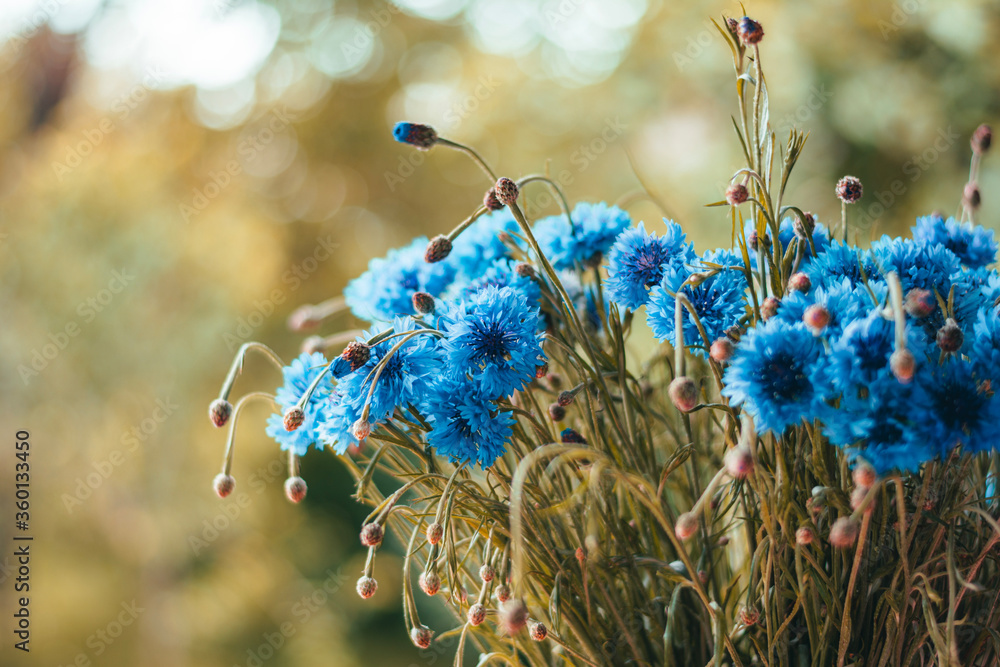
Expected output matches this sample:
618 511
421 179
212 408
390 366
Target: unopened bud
749 616
303 318
683 393
313 344
739 462
722 350
421 636
769 308
371 535
361 429
487 573
490 200
971 196
223 484
538 631
804 536
571 437
541 371
844 532
919 302
864 475
799 282
423 303
750 31
817 318
557 412
981 139
507 191
903 365
357 354
524 270
804 228
435 532
415 134
950 336
565 398
295 489
430 583
366 587
503 593
736 194
220 411
477 614
858 496
294 416
849 189
438 248
513 616
686 526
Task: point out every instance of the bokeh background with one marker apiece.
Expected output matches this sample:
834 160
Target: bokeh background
173 175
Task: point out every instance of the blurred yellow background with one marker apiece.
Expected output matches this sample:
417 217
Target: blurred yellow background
173 173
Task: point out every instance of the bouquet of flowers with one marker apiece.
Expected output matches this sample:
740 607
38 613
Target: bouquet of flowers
803 474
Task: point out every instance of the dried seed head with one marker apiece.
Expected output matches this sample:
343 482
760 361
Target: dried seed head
430 583
736 194
295 489
557 412
303 318
423 303
750 31
769 308
950 336
683 393
919 302
844 532
421 636
415 134
805 536
487 573
572 437
438 248
722 350
294 416
223 484
817 318
849 189
435 532
507 191
477 614
366 587
739 462
799 282
513 616
981 139
490 200
502 593
971 196
903 365
541 371
864 475
220 411
538 631
361 429
371 535
749 616
686 526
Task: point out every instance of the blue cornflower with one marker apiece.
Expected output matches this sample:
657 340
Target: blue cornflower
770 375
973 244
882 428
298 376
963 409
639 259
985 352
929 267
844 301
466 425
493 337
499 274
718 300
839 260
859 357
405 379
596 228
479 246
386 289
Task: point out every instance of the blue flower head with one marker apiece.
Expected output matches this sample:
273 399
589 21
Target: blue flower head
499 274
596 228
298 376
963 409
985 352
770 372
839 260
845 303
386 289
479 246
859 357
638 261
466 425
973 245
718 300
929 267
493 337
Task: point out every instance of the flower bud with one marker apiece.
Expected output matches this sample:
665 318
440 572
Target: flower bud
477 614
371 535
754 241
686 526
541 371
722 350
736 194
844 532
438 248
513 616
357 354
858 496
919 302
538 631
223 484
804 228
421 636
366 587
557 412
733 26
903 365
739 462
490 200
971 196
361 429
435 532
220 411
502 593
804 536
683 393
981 139
423 303
415 134
750 31
849 189
572 437
864 475
294 416
950 336
817 318
487 573
565 398
749 616
303 318
769 308
313 344
430 583
799 282
507 191
295 489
